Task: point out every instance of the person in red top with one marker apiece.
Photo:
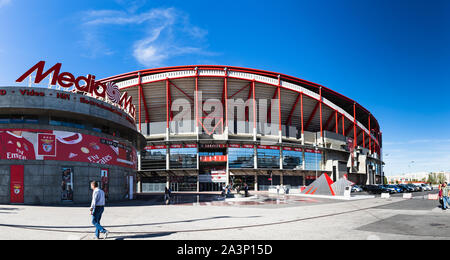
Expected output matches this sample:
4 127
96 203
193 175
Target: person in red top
15 146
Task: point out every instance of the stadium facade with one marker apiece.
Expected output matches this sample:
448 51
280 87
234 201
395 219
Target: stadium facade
209 126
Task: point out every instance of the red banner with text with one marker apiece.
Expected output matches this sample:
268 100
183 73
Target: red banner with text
17 144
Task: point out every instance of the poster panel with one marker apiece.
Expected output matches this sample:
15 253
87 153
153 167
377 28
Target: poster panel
29 144
16 180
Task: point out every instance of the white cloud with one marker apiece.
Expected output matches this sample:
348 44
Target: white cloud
168 33
4 2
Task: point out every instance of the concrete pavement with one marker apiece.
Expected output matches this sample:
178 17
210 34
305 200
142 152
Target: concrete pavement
376 218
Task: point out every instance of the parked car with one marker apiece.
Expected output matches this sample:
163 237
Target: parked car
388 188
372 189
419 186
356 188
415 187
401 188
377 189
426 187
407 188
396 188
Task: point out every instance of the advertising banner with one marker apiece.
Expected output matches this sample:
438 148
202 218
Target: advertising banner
17 189
18 144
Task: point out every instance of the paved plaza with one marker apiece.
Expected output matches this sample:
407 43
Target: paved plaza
263 217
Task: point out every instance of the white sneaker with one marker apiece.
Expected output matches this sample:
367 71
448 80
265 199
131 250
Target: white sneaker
106 234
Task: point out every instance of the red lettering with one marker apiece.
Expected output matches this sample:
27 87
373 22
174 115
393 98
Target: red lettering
40 75
66 80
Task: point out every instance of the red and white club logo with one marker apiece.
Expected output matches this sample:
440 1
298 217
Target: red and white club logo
17 189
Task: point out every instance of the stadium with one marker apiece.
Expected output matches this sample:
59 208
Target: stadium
210 126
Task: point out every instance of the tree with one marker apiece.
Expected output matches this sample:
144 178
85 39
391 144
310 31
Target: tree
441 178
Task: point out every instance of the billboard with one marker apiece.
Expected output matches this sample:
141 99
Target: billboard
29 144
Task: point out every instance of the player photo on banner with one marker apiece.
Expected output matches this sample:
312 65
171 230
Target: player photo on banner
17 145
67 184
64 146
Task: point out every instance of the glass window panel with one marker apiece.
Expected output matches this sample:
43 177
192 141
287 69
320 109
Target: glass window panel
268 158
292 159
241 157
183 158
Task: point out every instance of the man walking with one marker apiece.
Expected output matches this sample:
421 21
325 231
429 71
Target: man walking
445 191
97 208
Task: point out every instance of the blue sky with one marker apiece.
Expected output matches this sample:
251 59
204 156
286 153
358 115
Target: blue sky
391 56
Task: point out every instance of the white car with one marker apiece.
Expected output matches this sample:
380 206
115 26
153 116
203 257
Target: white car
356 188
426 187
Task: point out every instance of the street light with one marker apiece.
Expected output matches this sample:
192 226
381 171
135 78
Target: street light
316 166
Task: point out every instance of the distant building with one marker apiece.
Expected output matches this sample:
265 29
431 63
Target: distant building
417 176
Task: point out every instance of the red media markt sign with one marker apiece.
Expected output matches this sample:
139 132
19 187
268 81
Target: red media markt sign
82 84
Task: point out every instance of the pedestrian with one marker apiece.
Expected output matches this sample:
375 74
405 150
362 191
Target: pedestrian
441 200
246 189
224 190
445 191
97 208
167 195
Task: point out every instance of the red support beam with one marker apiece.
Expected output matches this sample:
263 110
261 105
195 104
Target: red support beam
279 104
254 104
370 135
139 107
289 120
321 126
147 114
301 111
364 139
312 115
343 125
354 125
196 99
247 109
225 97
337 121
167 101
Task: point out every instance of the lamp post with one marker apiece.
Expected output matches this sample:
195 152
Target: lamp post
316 166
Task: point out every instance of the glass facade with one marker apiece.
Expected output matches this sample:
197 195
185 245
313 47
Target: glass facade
241 156
183 156
313 160
292 158
268 157
154 157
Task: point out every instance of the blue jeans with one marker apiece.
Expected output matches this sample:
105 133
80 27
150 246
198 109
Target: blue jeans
96 217
444 202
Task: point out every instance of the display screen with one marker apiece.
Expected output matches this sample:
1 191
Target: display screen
19 144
